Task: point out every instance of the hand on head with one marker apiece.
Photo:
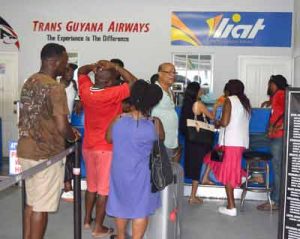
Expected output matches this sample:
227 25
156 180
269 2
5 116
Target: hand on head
105 65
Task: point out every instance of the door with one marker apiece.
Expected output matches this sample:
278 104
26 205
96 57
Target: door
8 95
255 73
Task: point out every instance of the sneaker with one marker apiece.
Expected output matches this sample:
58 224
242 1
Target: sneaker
68 196
229 212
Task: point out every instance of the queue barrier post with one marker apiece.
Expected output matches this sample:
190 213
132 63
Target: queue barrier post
8 181
77 194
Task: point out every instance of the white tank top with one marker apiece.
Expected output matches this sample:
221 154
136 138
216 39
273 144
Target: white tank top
237 131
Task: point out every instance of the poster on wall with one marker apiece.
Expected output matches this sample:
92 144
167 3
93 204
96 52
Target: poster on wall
8 36
262 29
14 164
289 219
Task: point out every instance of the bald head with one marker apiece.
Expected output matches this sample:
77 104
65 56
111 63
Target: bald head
164 65
166 74
105 78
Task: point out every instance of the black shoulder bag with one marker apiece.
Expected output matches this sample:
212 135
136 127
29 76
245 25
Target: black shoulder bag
160 166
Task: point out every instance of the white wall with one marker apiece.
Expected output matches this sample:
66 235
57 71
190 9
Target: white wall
145 51
297 43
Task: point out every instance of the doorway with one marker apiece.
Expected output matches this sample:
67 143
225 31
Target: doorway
8 95
255 73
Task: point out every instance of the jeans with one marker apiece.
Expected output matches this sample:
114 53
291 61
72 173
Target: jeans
276 146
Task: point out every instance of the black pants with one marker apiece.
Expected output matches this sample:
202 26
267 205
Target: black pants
194 155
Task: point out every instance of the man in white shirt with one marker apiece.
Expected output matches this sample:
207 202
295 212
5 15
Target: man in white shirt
68 81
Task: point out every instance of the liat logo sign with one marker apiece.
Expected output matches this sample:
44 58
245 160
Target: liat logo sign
220 27
231 29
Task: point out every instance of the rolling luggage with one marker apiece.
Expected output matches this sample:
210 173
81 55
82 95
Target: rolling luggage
167 220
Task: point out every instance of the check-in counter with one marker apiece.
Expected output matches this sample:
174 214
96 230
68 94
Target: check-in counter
259 141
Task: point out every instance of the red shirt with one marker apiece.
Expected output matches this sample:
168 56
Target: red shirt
277 105
100 107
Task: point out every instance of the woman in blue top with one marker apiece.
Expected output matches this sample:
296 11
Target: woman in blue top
133 135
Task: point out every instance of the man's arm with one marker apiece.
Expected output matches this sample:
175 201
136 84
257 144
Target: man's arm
65 129
60 113
86 69
126 75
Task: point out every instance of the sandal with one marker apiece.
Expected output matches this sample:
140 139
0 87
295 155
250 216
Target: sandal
207 183
267 207
195 201
103 234
88 226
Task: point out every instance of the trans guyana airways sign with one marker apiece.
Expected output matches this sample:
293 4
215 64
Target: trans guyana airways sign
265 29
73 26
90 31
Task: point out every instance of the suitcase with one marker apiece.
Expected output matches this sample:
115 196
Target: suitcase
166 223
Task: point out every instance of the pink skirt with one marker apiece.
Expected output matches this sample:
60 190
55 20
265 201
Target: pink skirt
228 172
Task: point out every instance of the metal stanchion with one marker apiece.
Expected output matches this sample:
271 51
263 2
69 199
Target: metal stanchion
23 207
8 181
77 194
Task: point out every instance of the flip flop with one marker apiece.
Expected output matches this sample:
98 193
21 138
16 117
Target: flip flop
197 201
88 226
267 207
208 183
101 235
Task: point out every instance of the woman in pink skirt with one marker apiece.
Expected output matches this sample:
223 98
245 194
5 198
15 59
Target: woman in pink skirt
234 138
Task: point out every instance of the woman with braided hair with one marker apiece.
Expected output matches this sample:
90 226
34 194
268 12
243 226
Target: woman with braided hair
234 138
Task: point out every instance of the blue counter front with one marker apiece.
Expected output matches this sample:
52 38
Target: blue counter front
257 128
258 140
77 122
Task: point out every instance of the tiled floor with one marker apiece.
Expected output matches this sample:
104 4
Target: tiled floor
198 221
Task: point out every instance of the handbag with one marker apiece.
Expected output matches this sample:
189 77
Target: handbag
160 167
200 132
217 154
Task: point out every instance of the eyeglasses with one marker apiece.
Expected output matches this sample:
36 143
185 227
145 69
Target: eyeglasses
170 72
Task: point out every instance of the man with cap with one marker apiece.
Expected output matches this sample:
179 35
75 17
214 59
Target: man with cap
67 80
277 86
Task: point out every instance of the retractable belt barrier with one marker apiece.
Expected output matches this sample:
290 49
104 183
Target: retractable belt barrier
7 181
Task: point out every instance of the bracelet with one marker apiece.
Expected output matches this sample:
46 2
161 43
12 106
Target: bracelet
72 141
